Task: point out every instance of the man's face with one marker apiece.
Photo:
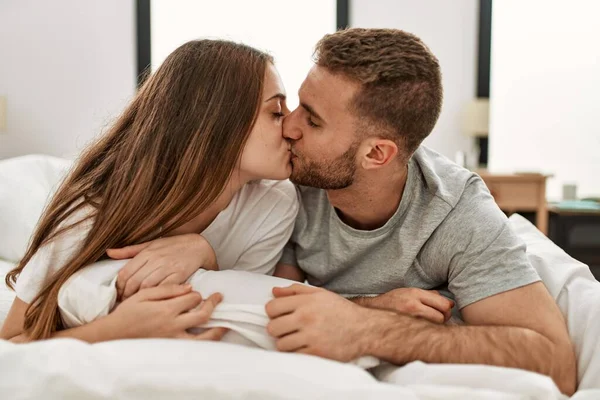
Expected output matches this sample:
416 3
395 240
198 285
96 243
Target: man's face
322 132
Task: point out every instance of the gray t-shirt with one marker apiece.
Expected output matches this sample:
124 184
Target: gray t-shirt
447 231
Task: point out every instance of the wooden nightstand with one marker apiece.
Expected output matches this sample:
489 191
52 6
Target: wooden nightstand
520 192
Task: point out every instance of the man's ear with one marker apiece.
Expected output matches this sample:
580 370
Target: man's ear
378 153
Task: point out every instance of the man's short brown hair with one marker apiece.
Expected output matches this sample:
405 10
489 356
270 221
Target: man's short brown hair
401 81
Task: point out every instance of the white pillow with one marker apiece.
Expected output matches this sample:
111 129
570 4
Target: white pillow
6 295
91 294
577 293
26 184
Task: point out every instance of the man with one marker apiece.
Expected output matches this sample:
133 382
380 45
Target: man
380 214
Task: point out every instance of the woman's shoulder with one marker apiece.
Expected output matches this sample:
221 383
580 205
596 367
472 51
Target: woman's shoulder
269 192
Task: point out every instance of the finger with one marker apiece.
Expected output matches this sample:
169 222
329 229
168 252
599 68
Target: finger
306 350
128 271
430 314
294 289
291 343
135 281
162 292
214 334
195 318
437 301
128 251
284 305
282 326
185 303
173 279
156 277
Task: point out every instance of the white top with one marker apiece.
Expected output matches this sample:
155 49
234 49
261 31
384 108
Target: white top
248 235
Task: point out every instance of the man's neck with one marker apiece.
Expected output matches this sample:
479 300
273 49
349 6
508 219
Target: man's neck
371 200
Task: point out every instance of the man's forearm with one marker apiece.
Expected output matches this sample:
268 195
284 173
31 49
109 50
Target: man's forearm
367 301
401 339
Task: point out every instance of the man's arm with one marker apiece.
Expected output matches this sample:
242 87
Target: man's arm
537 340
427 304
315 321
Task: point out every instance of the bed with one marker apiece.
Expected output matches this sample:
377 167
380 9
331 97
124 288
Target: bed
176 369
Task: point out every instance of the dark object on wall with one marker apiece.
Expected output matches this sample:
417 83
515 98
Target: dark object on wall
578 234
484 48
342 14
483 66
144 47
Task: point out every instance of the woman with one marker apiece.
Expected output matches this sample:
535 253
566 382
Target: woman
187 157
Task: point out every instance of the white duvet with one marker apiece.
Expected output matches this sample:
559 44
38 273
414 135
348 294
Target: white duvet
91 294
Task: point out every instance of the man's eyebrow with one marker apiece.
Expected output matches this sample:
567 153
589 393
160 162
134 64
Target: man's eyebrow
276 96
311 111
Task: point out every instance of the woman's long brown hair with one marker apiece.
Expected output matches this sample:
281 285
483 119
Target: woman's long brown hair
166 158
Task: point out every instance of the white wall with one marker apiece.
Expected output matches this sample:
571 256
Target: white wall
66 68
545 88
450 30
280 28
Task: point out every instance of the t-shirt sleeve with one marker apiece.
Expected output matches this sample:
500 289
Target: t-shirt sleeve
483 255
268 241
48 260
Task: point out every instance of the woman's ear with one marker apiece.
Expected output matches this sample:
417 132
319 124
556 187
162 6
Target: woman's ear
378 153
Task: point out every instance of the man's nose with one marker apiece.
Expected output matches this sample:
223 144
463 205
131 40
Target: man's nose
290 127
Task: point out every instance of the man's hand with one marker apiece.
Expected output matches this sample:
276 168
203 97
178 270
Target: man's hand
426 304
166 311
315 321
164 261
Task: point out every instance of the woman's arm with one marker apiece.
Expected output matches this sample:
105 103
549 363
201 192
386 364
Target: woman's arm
166 311
13 324
290 272
169 260
12 329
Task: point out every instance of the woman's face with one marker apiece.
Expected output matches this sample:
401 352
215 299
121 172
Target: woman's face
267 154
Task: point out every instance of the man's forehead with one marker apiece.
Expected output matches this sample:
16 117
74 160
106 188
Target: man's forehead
329 90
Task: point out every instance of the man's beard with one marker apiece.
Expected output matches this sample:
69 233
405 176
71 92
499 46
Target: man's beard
334 175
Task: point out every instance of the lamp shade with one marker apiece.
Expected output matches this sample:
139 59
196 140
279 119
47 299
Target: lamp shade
476 119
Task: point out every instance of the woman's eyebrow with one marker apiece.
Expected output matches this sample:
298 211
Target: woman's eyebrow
276 96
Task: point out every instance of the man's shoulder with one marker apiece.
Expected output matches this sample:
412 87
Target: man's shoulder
312 196
445 179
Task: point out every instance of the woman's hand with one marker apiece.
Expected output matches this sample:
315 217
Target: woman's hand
426 304
170 260
167 311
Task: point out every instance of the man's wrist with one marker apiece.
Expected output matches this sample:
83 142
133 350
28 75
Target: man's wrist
391 335
364 301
